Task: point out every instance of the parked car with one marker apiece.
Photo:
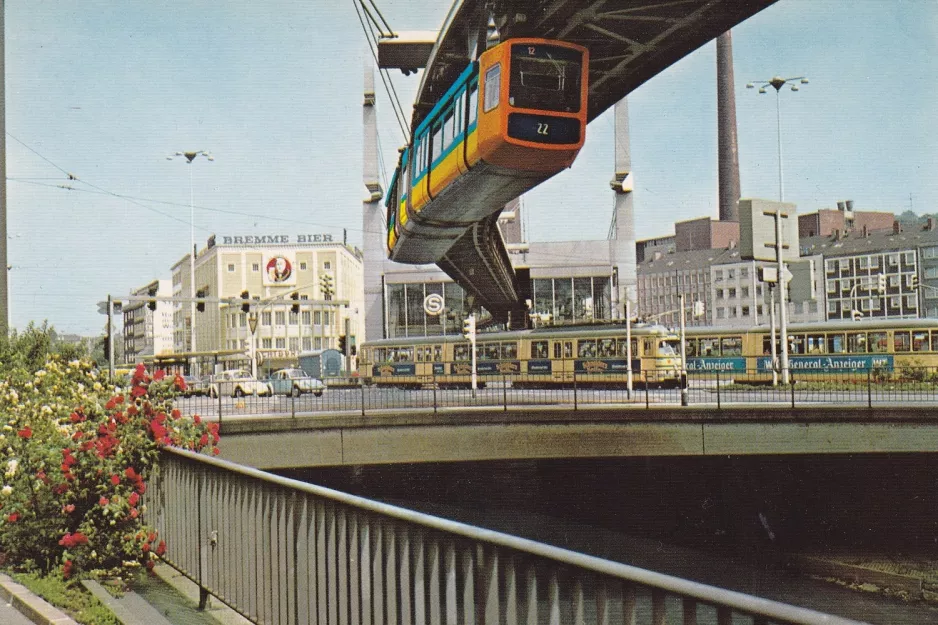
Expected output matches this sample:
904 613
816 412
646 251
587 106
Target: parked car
295 382
194 386
237 383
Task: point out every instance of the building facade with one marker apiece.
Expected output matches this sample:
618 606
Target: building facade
148 329
299 292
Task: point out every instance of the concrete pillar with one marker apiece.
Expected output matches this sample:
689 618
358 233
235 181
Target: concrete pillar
373 222
726 129
622 232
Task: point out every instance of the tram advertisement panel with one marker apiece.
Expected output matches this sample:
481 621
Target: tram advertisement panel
601 366
500 367
393 369
831 364
712 365
539 366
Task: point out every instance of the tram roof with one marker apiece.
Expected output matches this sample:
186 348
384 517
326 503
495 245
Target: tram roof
568 331
835 325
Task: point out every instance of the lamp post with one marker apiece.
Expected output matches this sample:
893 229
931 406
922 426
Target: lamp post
191 156
778 82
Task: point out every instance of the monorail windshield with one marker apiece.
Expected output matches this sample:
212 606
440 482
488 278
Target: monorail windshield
545 77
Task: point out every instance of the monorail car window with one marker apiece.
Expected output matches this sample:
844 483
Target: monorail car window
539 349
879 342
437 146
856 342
492 85
473 102
545 77
900 341
920 341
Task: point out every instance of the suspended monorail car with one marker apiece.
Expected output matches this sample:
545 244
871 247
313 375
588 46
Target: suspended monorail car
512 119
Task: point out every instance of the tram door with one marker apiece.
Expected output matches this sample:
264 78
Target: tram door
563 362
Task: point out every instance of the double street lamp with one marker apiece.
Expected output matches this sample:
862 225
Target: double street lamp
778 82
189 157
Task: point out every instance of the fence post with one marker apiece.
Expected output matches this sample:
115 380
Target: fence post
574 385
219 408
791 382
292 404
718 389
647 399
433 368
505 391
361 385
869 388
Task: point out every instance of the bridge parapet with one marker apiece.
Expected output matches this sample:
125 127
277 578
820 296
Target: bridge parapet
280 551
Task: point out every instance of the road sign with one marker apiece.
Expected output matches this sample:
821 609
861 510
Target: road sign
433 304
252 322
757 230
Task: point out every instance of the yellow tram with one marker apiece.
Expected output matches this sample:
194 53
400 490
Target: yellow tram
586 356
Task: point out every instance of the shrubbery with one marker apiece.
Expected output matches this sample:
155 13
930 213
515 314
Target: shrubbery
76 454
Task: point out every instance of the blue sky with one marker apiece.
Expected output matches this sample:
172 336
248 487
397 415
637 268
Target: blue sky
105 91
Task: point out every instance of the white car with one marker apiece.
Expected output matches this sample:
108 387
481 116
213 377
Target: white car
237 383
295 382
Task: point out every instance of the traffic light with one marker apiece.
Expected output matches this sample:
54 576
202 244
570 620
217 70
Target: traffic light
913 282
469 327
152 303
245 307
698 309
327 286
857 315
200 306
342 343
882 282
295 308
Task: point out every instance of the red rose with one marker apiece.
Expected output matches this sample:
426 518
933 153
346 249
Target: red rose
159 375
196 418
26 432
161 548
139 391
103 501
115 480
133 499
67 569
14 517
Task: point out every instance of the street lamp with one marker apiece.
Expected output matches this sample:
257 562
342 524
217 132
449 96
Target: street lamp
191 156
778 82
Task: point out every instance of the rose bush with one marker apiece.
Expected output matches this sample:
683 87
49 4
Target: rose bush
76 454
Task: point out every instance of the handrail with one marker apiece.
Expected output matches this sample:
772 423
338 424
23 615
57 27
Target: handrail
277 509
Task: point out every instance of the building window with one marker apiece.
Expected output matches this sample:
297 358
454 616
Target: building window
307 343
303 265
255 267
909 258
265 318
730 274
231 267
831 306
719 293
317 318
744 272
294 344
327 265
243 320
718 274
732 293
911 301
280 318
930 252
267 343
745 312
294 318
744 291
281 343
893 260
306 316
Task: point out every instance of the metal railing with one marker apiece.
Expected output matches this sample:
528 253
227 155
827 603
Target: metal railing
911 386
285 552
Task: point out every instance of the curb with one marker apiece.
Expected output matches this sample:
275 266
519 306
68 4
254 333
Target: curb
857 574
220 612
30 605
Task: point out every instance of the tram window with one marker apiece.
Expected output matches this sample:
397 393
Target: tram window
420 354
484 351
493 79
815 343
558 354
835 344
856 343
920 341
623 347
461 351
690 348
405 354
901 342
879 342
796 344
934 341
709 347
732 346
381 355
539 349
437 353
666 348
509 351
607 348
586 348
568 349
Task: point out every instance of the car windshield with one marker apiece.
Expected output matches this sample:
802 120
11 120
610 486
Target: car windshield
297 374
